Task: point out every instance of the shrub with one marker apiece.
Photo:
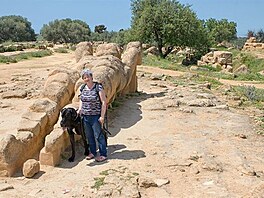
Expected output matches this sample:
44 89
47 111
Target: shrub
250 92
23 56
61 50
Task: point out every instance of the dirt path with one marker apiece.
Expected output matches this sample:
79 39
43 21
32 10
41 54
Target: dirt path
166 142
257 84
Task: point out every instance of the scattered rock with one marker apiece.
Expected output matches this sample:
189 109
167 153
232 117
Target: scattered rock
208 183
205 96
224 107
156 76
31 167
243 69
153 84
162 86
161 182
247 170
205 85
201 103
186 110
14 94
212 165
5 186
261 72
34 192
242 136
194 170
147 183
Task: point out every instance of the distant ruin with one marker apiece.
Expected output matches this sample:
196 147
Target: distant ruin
251 44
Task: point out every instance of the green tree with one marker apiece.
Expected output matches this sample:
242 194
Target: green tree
167 23
16 29
221 30
66 31
100 29
250 33
121 37
260 36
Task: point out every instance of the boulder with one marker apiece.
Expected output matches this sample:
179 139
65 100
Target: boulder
242 69
152 50
108 49
31 167
83 49
59 86
223 57
10 151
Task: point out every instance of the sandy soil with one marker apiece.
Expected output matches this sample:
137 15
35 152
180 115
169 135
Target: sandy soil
21 83
163 143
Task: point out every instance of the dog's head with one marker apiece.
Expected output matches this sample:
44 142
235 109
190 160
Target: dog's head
68 117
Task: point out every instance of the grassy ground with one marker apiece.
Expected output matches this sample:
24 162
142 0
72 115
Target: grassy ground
173 62
24 56
249 95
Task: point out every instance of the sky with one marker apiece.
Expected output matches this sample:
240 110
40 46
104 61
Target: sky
116 14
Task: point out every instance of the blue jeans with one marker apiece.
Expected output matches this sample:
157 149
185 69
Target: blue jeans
93 131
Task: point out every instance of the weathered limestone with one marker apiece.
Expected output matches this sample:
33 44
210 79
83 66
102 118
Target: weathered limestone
242 69
30 168
55 144
151 51
251 44
37 123
132 57
117 76
108 49
10 151
83 49
59 86
221 59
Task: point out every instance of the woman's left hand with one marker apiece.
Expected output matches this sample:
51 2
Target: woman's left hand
101 120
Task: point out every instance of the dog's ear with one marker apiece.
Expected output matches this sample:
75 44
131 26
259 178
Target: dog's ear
62 110
74 113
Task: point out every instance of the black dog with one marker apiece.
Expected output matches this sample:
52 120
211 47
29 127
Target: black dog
71 120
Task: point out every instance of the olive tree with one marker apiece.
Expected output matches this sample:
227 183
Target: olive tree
100 29
221 30
16 29
66 31
167 23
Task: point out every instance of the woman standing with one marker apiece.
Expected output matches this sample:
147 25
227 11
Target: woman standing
92 108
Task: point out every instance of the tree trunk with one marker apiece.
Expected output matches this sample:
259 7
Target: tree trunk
168 50
159 40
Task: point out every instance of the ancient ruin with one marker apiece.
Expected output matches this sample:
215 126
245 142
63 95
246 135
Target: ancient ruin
221 59
37 129
252 44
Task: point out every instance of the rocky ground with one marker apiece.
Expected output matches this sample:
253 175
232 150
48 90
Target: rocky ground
168 140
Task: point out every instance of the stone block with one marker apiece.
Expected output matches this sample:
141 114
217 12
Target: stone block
49 158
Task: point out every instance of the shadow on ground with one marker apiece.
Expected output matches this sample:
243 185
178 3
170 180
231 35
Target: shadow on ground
114 153
129 112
